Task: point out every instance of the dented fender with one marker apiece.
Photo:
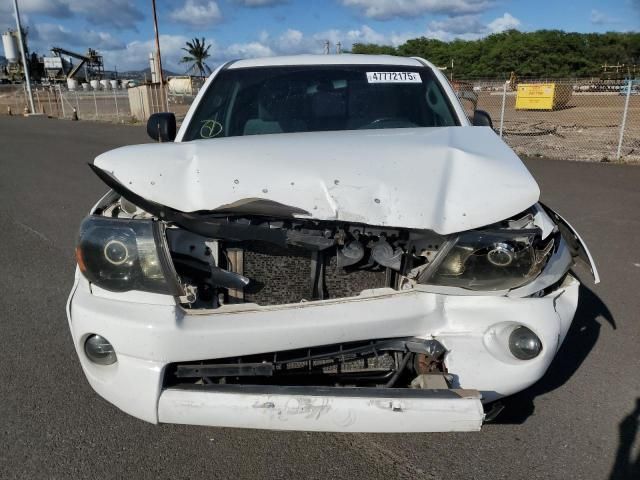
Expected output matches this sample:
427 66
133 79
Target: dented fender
577 246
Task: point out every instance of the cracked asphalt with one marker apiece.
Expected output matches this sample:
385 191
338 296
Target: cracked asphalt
580 421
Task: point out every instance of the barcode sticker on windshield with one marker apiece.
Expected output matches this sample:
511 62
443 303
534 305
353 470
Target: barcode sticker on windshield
393 77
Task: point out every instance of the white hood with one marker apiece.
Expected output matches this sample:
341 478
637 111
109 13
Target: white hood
446 179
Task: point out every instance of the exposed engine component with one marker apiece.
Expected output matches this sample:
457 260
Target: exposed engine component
350 254
267 259
385 255
383 363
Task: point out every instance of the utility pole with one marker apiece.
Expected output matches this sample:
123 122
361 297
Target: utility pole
24 57
160 74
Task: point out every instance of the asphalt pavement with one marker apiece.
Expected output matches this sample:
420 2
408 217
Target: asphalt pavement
580 421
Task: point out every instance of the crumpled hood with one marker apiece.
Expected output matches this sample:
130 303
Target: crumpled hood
446 179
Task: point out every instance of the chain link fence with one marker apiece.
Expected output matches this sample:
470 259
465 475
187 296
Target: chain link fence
582 119
56 101
104 104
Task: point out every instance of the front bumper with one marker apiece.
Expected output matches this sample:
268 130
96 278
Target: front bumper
149 336
324 409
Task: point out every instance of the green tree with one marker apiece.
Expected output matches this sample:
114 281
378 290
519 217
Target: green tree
197 55
548 53
373 49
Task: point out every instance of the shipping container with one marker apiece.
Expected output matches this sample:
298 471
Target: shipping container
542 96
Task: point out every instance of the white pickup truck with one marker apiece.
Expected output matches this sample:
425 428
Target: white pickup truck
328 243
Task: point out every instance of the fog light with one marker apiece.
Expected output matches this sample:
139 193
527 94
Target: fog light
524 344
99 350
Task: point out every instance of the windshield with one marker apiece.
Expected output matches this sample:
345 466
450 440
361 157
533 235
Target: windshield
255 101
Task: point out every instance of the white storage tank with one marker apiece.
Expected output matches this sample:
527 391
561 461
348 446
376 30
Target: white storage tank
85 86
104 84
180 85
114 84
95 84
10 46
72 84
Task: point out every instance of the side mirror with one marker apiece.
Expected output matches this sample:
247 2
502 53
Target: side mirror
481 119
162 127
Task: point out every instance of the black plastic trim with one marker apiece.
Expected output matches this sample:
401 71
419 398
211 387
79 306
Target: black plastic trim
355 392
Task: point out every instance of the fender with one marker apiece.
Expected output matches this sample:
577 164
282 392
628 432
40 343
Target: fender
578 248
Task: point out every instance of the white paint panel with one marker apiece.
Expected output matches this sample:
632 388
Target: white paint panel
320 413
147 337
445 179
165 333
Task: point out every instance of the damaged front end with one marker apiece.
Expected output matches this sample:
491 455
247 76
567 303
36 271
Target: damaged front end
332 316
231 255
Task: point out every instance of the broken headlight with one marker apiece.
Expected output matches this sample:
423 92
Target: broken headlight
121 254
489 260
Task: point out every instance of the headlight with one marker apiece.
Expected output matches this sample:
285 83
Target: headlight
489 260
122 254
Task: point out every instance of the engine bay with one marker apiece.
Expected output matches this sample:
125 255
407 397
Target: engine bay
221 259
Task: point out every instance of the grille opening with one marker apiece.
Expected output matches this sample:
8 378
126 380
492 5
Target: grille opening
287 262
375 363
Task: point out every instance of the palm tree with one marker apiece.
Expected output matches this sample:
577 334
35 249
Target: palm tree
197 54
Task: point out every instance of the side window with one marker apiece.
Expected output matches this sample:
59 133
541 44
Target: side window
438 105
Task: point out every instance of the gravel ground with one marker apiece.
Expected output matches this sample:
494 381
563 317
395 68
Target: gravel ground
588 128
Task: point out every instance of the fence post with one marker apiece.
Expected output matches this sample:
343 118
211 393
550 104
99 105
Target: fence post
115 99
624 119
77 102
49 101
61 101
144 115
95 103
154 100
504 100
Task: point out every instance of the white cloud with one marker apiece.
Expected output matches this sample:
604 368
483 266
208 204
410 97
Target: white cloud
464 24
290 41
246 50
469 27
54 8
505 22
387 9
600 18
197 13
50 34
294 42
366 34
260 3
117 14
135 55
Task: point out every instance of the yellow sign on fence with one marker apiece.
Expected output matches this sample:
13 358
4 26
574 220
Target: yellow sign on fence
542 96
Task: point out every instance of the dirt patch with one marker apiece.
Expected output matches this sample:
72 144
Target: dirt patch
588 128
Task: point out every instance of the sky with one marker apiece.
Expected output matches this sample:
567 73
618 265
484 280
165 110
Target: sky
122 30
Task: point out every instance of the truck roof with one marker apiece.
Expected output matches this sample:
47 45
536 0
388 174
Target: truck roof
342 59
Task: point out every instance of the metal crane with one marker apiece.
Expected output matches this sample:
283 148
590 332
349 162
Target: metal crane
91 60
